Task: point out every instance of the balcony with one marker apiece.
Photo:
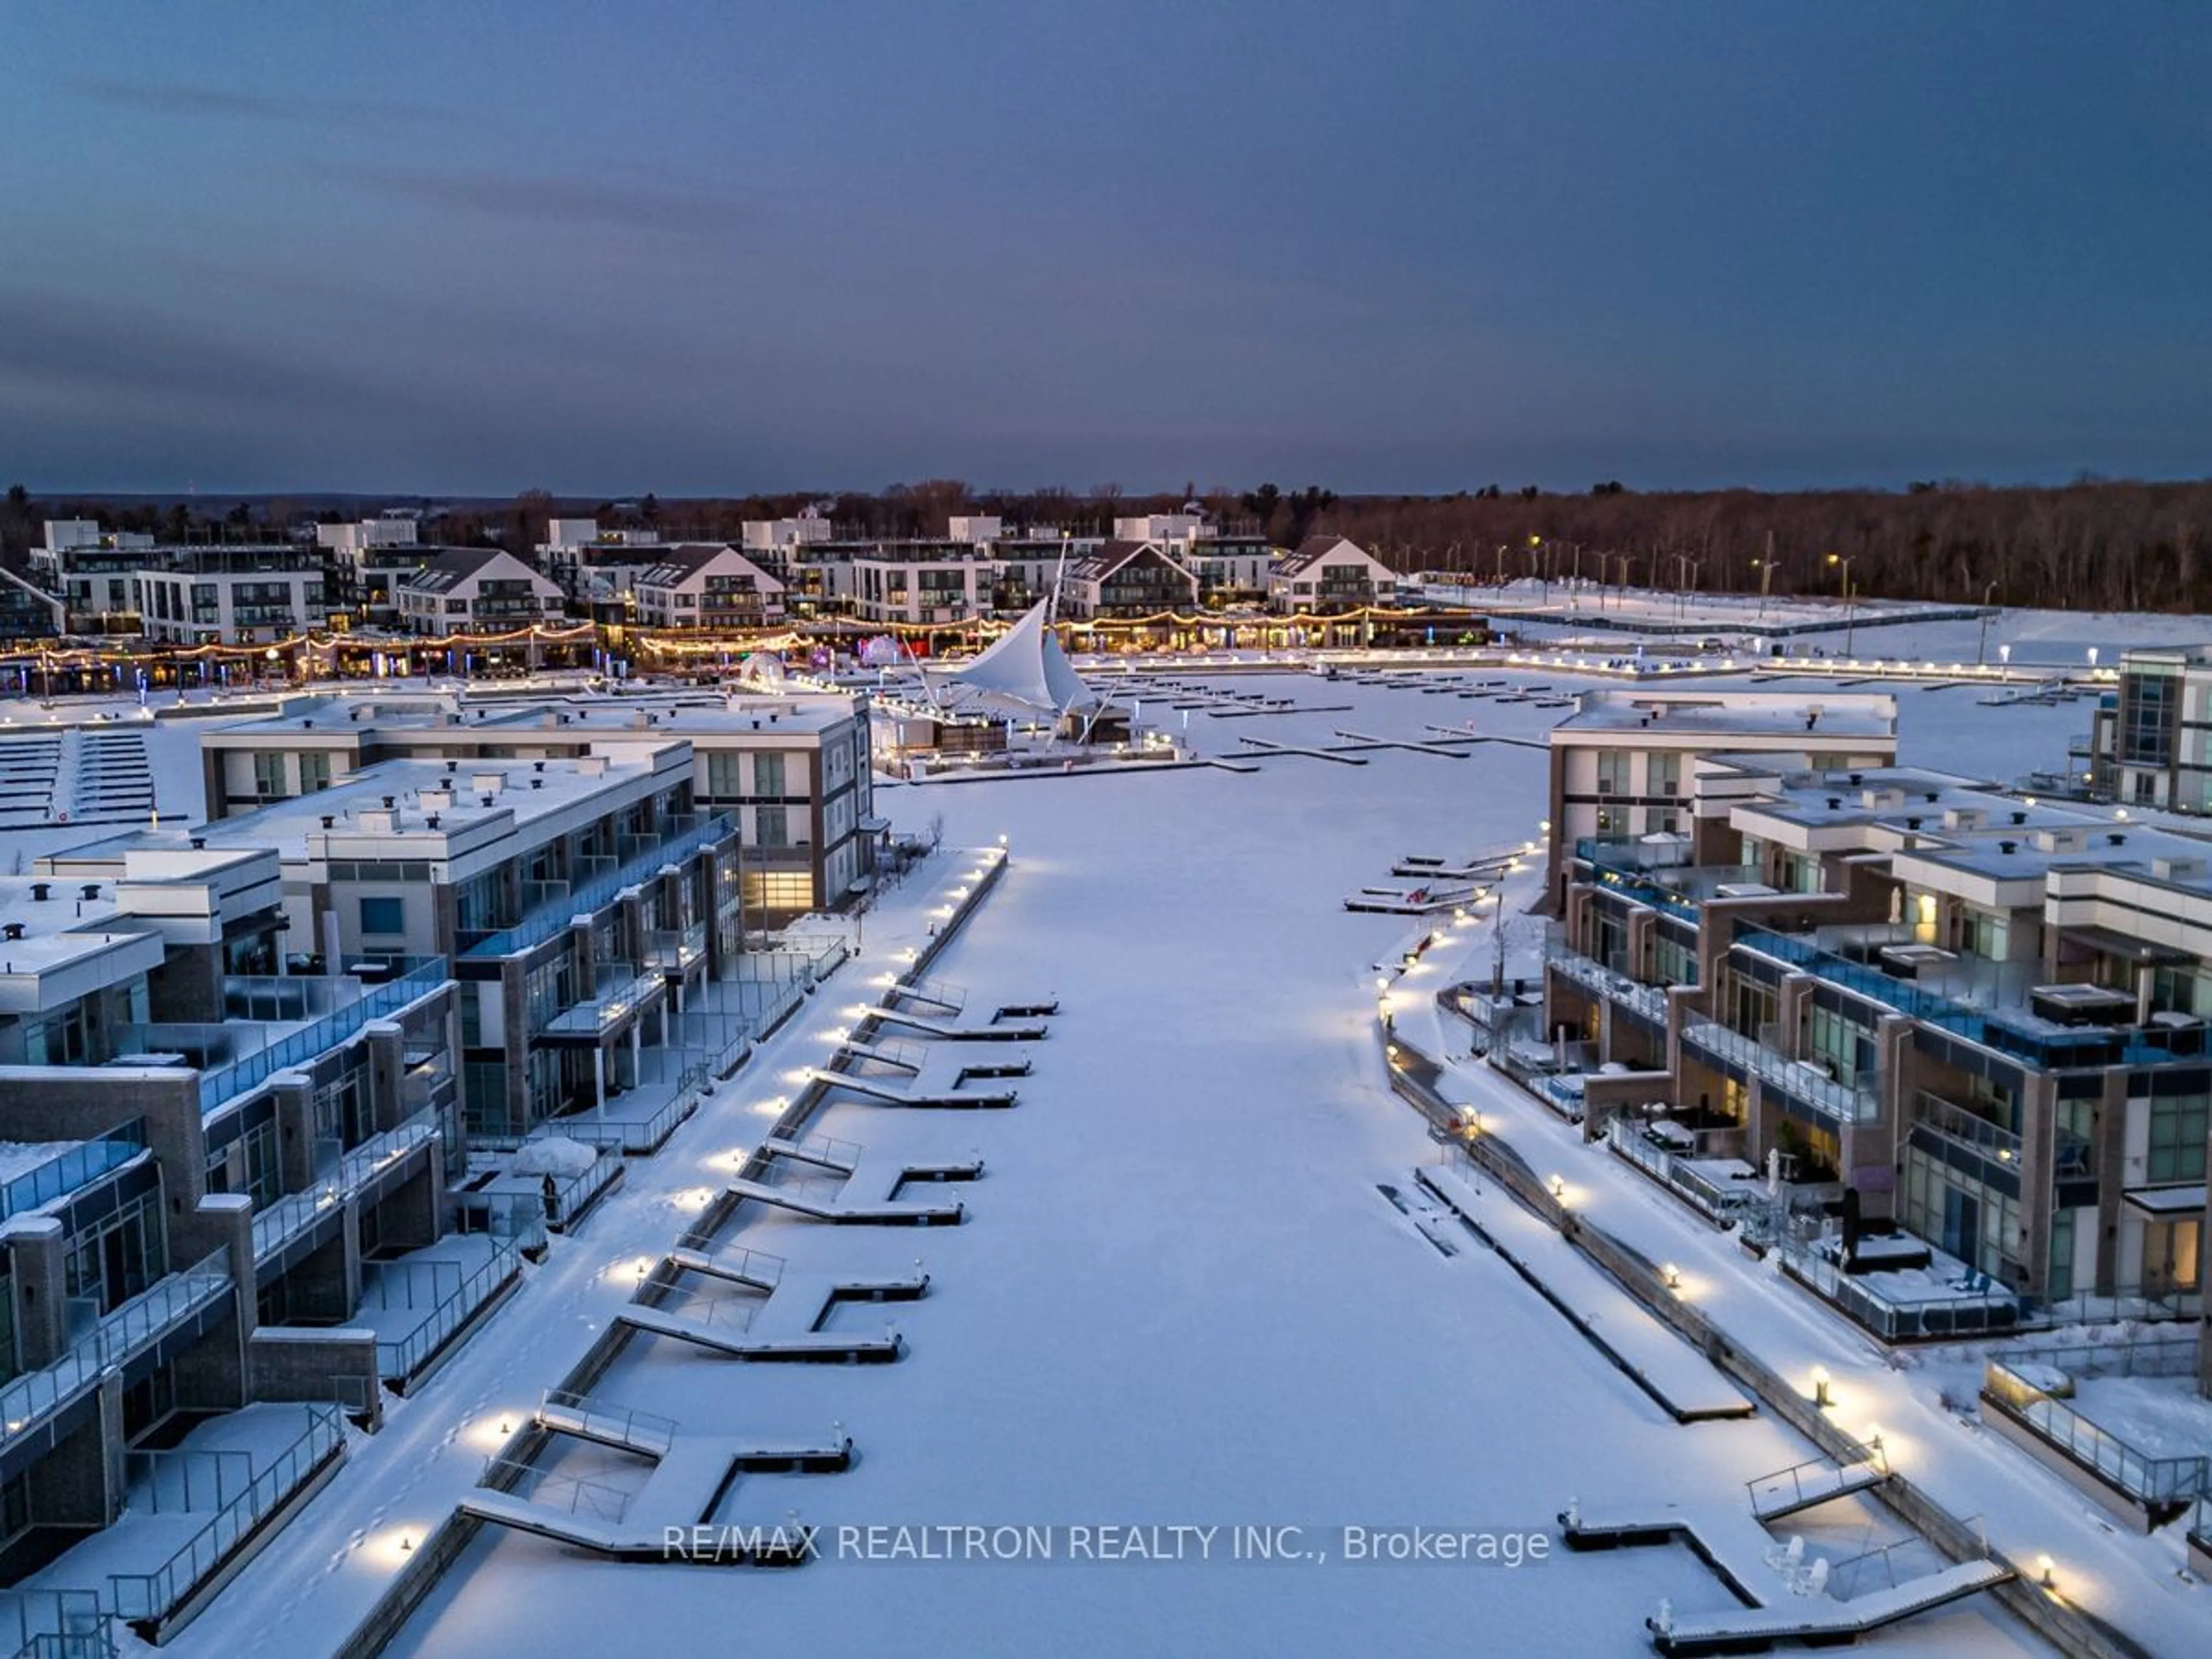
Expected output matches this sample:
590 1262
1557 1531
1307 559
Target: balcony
1648 1001
297 1212
72 1167
225 1083
1616 870
553 915
2041 1042
1840 1103
1965 1127
119 1336
624 991
676 954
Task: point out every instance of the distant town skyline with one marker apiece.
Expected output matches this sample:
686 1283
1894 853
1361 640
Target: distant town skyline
472 249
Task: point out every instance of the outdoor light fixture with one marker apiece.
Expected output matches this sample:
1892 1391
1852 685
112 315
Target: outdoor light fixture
1672 1274
1559 1188
1821 1394
2047 1571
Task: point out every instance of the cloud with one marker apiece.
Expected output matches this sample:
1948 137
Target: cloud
203 103
581 203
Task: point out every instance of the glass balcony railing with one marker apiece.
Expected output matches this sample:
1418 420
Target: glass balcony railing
624 990
155 1595
225 1083
294 1213
550 917
1617 870
71 1168
677 952
1840 1102
1649 1000
133 1327
2038 1042
1955 1123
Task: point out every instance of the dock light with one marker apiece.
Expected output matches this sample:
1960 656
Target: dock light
1821 1397
1559 1188
2046 1572
1672 1275
1873 1437
406 1539
1382 982
506 1426
1002 839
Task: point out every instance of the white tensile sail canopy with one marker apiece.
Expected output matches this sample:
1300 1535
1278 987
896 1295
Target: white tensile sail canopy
1026 669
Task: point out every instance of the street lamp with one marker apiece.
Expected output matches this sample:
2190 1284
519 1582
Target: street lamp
1766 568
1843 592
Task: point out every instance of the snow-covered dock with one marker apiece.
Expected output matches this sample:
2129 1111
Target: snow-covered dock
1680 1379
1817 1619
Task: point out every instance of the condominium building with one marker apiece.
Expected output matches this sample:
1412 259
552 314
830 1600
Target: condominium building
365 560
707 587
589 563
916 583
1620 763
1329 572
476 591
1976 1019
210 1164
2149 741
231 595
791 768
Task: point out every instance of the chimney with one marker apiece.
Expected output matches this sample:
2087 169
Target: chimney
92 889
432 821
198 843
39 890
14 931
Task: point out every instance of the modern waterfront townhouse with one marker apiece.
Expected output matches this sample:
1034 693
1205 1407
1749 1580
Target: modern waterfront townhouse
1974 1023
219 1179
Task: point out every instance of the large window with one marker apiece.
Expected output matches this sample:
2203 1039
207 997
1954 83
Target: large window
770 828
1612 771
768 776
725 776
383 918
1666 774
1842 1044
2177 1139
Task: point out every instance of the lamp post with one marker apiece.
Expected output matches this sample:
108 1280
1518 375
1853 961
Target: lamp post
1982 651
1844 591
1685 573
1766 568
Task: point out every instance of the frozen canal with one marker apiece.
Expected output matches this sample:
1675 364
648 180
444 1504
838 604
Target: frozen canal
1180 1300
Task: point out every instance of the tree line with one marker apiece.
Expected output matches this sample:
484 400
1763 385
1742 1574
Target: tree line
2095 544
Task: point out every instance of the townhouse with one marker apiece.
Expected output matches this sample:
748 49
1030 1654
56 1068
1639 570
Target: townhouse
1970 1022
476 590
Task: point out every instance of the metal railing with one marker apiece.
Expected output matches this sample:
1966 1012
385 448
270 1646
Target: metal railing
2007 1384
596 1015
570 1493
132 1326
56 1623
1968 1129
1649 1000
399 1357
552 917
225 1081
672 952
294 1213
742 1261
579 1414
153 1594
1841 1101
71 1168
1899 1318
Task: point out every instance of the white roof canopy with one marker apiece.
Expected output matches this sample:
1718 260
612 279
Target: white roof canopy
1026 667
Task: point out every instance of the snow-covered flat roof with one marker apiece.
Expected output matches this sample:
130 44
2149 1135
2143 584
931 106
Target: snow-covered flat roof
1820 720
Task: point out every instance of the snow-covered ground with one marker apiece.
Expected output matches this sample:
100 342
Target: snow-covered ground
1180 1299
